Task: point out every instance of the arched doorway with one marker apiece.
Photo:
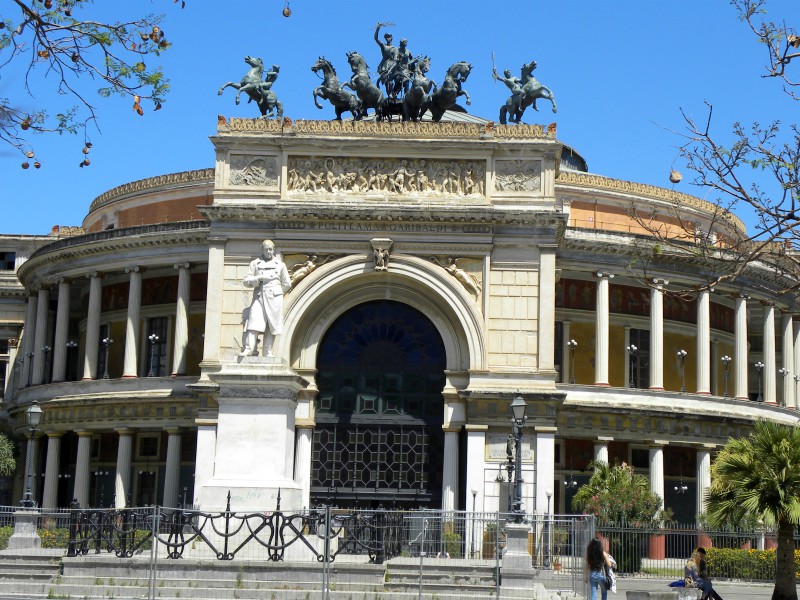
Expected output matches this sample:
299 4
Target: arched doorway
378 437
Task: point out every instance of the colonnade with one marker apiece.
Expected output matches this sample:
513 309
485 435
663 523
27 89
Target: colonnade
36 347
790 349
122 477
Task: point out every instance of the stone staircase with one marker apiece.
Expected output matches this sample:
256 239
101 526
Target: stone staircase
47 574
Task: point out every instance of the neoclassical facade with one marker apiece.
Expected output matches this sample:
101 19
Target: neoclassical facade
438 271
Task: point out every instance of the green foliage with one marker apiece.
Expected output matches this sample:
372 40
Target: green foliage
759 476
8 463
453 545
5 533
749 565
617 495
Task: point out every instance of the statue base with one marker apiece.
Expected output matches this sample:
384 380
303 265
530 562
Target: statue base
517 566
25 536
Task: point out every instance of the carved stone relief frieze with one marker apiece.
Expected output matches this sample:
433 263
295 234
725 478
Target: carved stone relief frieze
466 271
386 176
301 266
254 171
518 176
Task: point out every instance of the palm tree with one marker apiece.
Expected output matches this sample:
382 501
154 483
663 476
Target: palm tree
759 476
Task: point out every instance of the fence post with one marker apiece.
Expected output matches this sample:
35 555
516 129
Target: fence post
73 528
153 575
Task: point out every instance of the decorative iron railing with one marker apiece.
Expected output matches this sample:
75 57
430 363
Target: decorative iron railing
322 534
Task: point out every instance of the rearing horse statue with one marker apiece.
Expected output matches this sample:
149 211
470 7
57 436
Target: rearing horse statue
370 95
420 87
256 89
532 90
445 97
331 90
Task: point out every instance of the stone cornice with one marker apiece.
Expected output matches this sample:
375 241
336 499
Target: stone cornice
387 129
203 176
585 180
285 214
115 240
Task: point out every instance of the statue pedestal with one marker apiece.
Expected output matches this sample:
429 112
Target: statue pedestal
254 450
517 567
25 536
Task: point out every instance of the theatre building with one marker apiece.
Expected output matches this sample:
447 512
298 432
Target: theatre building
438 271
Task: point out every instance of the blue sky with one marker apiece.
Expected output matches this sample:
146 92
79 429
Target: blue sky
621 70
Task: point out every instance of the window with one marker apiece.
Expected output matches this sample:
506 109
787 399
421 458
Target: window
639 360
156 347
148 446
7 260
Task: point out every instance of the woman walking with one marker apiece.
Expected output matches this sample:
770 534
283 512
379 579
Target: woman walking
597 565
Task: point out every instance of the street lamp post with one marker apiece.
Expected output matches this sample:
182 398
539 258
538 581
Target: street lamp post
106 341
726 360
71 359
518 408
572 344
45 352
759 367
97 474
153 339
682 357
472 542
30 368
33 416
632 353
547 531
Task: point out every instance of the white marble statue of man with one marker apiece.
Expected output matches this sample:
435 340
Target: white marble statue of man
270 279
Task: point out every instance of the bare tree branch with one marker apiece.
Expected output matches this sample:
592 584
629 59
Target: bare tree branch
49 42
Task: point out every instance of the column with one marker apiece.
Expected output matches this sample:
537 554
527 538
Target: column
172 474
216 277
206 455
81 491
122 479
657 543
770 387
787 350
131 362
704 343
181 322
92 328
703 478
302 460
601 449
545 458
62 329
740 349
547 306
657 334
450 468
27 341
50 495
40 337
601 330
476 463
657 469
796 366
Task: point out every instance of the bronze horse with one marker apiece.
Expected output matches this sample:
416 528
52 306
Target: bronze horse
370 95
532 90
331 90
445 97
420 88
256 89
